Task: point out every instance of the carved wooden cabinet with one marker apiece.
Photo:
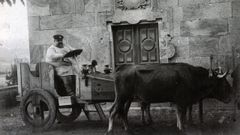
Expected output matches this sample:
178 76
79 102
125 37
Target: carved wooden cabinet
136 44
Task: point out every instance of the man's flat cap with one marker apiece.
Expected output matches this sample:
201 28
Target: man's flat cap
58 37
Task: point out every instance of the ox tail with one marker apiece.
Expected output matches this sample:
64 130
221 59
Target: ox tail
117 109
125 85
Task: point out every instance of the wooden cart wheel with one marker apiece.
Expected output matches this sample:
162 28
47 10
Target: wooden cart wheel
38 109
67 115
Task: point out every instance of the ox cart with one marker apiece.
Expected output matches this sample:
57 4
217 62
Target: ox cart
41 102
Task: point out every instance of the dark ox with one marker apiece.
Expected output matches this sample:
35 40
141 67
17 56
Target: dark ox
179 83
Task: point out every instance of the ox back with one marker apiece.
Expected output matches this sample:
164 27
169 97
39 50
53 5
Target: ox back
180 83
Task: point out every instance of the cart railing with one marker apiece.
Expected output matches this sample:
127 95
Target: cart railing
42 78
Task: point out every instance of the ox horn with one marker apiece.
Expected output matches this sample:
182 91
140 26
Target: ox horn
223 75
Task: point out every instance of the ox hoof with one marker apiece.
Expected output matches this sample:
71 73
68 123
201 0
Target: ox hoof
182 129
182 133
150 122
144 123
109 133
129 132
234 120
190 120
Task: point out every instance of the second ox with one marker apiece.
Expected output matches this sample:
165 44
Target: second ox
179 83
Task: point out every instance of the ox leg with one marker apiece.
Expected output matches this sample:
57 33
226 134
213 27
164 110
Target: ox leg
125 115
143 108
149 118
181 117
112 114
117 109
179 126
201 111
190 114
235 109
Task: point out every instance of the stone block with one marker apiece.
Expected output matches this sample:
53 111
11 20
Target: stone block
180 41
224 45
202 46
155 7
192 12
170 19
91 5
204 27
234 39
85 20
106 5
41 37
80 6
38 7
236 55
34 23
167 3
217 10
182 51
200 61
234 25
220 1
58 7
192 2
236 9
102 18
37 53
234 28
180 59
177 18
185 2
56 22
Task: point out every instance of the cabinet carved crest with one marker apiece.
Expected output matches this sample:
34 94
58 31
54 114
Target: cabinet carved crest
132 4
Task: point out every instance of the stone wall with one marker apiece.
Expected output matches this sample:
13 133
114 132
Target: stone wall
199 27
80 21
202 28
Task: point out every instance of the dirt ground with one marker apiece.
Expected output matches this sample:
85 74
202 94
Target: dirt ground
215 123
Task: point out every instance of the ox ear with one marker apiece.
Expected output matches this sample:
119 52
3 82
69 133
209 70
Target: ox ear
214 73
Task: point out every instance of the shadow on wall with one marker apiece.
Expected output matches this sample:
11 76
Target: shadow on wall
8 97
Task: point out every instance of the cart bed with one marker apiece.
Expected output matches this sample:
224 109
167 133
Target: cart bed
97 87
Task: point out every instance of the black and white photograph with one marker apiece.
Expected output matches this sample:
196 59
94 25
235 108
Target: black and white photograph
119 67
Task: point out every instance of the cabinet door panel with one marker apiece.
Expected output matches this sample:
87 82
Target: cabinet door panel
136 44
123 45
148 44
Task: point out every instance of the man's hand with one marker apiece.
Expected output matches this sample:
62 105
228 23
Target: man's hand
66 62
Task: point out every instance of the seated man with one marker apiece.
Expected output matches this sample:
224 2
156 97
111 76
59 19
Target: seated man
65 75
